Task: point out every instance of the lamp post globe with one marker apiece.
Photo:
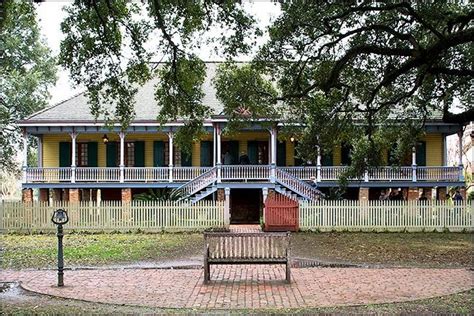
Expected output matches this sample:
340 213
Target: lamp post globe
60 218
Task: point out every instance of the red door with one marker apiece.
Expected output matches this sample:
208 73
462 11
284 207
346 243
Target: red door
281 213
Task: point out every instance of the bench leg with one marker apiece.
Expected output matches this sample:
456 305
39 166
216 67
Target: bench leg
207 272
207 268
288 273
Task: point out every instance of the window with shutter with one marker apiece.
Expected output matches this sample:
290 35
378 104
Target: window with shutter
65 154
159 154
206 153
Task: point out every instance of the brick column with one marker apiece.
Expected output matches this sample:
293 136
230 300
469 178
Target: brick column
428 192
86 194
44 195
363 194
220 195
441 193
413 194
94 195
65 195
27 195
74 195
57 195
126 195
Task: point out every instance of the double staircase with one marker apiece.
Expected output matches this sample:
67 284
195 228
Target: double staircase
285 184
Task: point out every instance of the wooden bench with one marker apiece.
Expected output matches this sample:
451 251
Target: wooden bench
246 248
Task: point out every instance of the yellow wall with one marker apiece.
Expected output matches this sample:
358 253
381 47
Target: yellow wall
336 155
196 154
434 149
290 153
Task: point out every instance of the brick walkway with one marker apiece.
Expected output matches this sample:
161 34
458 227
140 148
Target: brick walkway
247 286
245 228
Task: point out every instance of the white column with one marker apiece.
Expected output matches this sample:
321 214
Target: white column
218 154
25 155
73 156
413 163
122 155
366 172
227 207
171 156
40 151
460 164
214 147
318 164
273 156
265 195
273 134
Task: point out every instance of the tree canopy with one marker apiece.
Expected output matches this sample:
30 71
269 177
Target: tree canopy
27 70
368 73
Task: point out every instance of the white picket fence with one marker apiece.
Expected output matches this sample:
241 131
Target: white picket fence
399 216
114 216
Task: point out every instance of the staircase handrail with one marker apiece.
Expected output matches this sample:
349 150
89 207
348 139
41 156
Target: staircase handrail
293 183
198 183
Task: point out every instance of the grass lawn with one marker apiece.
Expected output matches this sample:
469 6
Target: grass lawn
40 251
401 249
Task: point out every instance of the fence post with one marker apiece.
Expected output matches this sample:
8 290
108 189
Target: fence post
227 207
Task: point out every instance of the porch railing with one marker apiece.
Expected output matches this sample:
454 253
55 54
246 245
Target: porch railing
245 172
48 175
233 173
296 185
437 173
197 184
391 173
188 173
91 174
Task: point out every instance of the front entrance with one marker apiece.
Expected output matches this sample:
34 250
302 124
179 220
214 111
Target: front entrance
245 206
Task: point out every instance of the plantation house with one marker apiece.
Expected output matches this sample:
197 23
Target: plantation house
81 159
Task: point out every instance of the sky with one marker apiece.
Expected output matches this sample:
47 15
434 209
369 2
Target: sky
51 14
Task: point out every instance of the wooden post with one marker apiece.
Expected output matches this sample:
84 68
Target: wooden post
273 147
73 156
122 156
227 207
460 164
318 164
25 155
218 154
170 151
413 163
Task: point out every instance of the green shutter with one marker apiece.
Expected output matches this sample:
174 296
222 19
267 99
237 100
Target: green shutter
158 154
346 154
252 152
326 159
298 160
186 159
139 154
281 154
421 154
234 151
92 154
391 155
111 154
206 153
65 154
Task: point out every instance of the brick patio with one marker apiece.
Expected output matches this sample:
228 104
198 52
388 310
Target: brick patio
247 286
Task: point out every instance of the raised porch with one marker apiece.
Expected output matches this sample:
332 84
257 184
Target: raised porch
234 173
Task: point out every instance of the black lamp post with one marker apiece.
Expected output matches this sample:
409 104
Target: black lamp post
60 218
